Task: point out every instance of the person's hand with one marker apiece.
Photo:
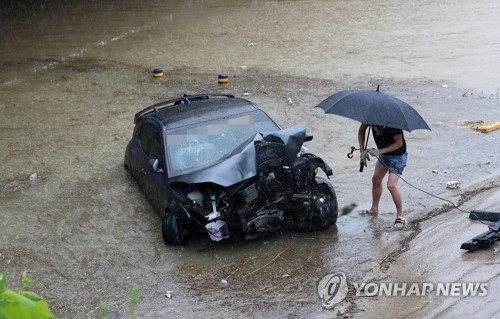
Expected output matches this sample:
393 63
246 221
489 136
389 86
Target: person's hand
373 152
364 158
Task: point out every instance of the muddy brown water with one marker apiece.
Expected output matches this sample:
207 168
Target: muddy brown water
72 75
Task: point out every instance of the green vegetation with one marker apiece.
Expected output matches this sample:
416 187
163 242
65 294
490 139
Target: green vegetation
28 305
133 301
104 310
20 303
131 308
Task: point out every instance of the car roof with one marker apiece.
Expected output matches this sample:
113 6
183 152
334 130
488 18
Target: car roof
191 109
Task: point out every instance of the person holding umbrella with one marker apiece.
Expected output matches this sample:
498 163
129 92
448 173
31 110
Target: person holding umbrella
392 157
387 116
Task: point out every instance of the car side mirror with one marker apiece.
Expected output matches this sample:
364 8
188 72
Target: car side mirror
155 165
308 137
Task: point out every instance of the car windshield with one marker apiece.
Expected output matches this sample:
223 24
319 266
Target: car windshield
202 144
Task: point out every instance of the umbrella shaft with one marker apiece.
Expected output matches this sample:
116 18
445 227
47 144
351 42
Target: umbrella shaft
361 165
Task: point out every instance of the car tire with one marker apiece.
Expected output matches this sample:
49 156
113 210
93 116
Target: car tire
331 210
174 230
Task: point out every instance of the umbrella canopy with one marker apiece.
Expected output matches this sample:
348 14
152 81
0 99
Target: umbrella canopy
373 107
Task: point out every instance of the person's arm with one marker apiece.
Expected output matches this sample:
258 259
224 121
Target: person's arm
362 136
398 143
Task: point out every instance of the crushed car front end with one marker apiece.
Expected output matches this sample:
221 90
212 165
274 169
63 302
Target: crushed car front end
241 198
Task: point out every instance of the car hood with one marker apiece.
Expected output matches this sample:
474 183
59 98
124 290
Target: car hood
241 163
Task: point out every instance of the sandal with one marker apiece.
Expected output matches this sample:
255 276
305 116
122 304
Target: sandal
400 223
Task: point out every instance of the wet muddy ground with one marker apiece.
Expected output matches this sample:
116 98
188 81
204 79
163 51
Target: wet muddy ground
85 234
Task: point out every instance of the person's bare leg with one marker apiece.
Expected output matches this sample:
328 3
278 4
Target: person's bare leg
392 186
377 188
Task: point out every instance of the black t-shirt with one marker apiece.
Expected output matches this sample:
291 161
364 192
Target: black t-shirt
384 136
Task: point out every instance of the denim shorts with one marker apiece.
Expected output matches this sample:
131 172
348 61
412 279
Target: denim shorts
395 163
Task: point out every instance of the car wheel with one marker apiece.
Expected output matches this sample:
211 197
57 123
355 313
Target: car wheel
326 206
174 230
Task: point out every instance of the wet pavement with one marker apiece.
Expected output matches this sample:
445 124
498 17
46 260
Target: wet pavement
73 76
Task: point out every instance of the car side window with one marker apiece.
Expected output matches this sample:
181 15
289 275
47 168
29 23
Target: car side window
151 141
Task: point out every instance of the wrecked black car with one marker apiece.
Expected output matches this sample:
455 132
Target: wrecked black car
220 165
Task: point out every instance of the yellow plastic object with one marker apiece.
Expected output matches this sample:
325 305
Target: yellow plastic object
158 73
486 128
223 78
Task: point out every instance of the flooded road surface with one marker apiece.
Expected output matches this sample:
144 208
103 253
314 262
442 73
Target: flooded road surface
73 75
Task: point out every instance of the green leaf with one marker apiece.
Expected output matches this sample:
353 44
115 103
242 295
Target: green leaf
11 311
13 305
24 305
30 295
41 311
2 316
17 299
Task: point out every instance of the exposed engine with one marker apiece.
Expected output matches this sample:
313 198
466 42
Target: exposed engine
284 193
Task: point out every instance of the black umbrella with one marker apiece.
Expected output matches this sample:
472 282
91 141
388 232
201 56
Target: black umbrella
373 107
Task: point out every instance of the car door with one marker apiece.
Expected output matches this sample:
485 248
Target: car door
134 157
153 174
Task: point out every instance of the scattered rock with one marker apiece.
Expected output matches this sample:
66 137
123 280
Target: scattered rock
453 184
